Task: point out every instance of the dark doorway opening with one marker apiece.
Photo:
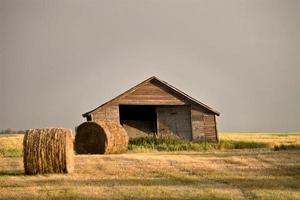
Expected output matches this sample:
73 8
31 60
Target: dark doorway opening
138 120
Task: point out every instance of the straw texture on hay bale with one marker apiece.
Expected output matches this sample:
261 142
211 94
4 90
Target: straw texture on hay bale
101 137
48 150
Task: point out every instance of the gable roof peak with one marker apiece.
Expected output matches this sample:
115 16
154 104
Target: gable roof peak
163 83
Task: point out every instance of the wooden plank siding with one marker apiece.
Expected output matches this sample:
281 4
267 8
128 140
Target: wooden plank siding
203 125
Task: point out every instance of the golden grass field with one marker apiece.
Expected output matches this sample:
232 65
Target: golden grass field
227 174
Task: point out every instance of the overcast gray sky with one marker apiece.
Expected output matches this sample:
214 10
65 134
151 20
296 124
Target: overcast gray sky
61 58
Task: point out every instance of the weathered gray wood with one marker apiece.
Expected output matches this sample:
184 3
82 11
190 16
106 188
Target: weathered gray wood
174 121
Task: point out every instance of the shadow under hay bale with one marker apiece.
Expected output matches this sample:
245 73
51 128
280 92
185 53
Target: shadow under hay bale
48 150
101 137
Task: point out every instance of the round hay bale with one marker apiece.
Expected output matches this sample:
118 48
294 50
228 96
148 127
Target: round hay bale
48 150
101 137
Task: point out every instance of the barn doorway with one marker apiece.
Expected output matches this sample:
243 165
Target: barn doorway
138 120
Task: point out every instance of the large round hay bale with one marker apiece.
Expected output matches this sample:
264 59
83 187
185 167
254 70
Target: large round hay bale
48 150
101 137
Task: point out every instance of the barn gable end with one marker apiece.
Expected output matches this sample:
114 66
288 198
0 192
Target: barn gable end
152 93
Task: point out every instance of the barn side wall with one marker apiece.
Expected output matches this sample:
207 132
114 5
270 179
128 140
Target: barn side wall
204 125
109 112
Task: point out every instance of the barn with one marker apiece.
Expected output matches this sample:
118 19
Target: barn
157 108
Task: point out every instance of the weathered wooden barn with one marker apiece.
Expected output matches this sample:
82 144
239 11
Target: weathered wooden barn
155 107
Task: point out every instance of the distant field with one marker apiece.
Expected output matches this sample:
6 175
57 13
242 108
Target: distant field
11 144
270 138
260 173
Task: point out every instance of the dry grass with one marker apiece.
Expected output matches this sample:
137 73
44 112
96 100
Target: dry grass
9 141
11 145
229 174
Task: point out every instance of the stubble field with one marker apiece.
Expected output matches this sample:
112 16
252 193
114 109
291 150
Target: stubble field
260 173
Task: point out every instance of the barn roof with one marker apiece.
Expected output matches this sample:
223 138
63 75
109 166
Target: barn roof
153 78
